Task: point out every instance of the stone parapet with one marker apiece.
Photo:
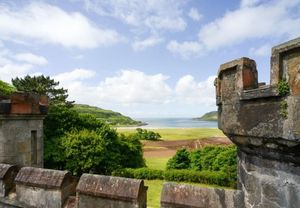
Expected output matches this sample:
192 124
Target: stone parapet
100 191
264 122
178 195
7 176
39 187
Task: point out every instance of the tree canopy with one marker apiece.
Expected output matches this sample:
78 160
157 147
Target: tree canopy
43 86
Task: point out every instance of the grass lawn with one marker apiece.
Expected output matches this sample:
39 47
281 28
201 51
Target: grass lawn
181 133
158 163
154 191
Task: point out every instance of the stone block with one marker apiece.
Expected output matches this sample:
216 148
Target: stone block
178 195
7 176
38 187
114 192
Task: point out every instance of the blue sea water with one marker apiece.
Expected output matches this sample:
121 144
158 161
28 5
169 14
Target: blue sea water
177 123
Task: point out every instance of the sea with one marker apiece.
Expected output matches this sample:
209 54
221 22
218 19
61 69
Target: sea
177 123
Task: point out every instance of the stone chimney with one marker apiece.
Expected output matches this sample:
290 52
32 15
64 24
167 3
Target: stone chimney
21 129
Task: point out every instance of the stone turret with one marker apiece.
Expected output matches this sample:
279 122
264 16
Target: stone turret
21 129
264 122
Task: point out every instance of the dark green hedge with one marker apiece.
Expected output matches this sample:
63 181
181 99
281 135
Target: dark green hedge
207 177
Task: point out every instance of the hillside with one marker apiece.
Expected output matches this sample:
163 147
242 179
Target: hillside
210 116
108 116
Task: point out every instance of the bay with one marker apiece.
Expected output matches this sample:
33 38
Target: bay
177 123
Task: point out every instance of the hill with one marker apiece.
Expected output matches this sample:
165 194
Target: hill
108 116
210 116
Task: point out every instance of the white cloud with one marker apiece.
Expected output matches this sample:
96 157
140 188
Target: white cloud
127 87
9 71
191 92
271 19
49 24
255 19
139 45
185 49
264 50
249 3
194 14
154 15
75 75
31 58
131 86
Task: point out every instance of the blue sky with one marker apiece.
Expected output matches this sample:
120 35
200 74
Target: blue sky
143 58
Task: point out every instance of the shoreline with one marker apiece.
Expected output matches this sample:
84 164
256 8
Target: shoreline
158 127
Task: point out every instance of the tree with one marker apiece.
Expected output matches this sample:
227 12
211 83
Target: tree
181 160
43 86
6 89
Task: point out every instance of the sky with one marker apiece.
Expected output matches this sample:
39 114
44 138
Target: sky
143 58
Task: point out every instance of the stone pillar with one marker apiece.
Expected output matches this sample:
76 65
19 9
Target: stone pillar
21 129
264 123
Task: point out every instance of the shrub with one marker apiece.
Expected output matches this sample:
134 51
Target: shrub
283 87
143 134
207 177
6 89
181 160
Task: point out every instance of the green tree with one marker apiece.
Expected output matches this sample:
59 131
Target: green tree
181 160
43 86
6 89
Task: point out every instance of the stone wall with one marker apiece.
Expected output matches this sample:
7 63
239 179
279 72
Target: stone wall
44 188
21 129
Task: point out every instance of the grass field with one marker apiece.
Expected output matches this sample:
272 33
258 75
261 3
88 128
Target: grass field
157 163
154 191
181 133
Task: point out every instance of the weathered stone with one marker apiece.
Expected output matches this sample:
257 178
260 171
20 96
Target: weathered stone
105 191
39 187
7 176
178 195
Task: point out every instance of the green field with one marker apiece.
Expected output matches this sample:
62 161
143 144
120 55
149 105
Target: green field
158 163
181 133
155 188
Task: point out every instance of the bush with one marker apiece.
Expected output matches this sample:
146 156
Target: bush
207 177
181 160
143 134
6 89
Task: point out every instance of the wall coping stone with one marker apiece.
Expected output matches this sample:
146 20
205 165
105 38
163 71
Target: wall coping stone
125 189
5 169
43 178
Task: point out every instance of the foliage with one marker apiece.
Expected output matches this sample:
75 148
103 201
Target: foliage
43 86
283 87
171 134
207 177
210 158
143 134
181 160
107 116
284 109
6 89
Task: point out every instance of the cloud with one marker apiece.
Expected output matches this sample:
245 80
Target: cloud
10 70
189 91
153 15
195 15
75 75
127 87
186 49
264 50
253 20
135 88
31 58
140 45
49 24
